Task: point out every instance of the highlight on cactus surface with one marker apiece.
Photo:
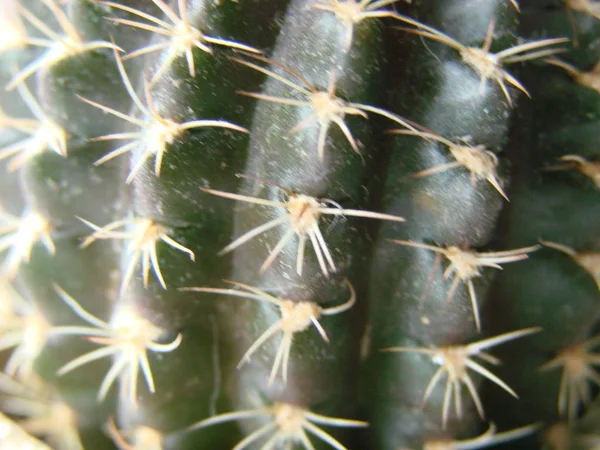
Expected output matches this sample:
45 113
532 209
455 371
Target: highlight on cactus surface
465 266
156 132
577 362
143 236
127 338
296 316
287 424
302 219
455 362
18 235
46 134
59 47
183 38
479 161
327 108
489 65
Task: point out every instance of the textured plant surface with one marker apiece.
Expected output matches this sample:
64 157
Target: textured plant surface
349 224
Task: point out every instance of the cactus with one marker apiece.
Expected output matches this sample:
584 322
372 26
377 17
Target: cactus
299 224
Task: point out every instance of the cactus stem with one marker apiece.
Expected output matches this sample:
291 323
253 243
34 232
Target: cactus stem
577 362
183 36
296 316
20 235
464 266
59 47
480 162
155 132
488 65
326 107
290 424
143 239
127 337
303 214
455 360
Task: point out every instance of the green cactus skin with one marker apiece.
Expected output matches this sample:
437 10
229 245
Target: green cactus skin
310 44
549 206
183 292
57 188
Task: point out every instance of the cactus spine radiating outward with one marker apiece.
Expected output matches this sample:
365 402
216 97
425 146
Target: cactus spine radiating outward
275 224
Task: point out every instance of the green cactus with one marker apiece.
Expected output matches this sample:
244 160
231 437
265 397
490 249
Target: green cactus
281 223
